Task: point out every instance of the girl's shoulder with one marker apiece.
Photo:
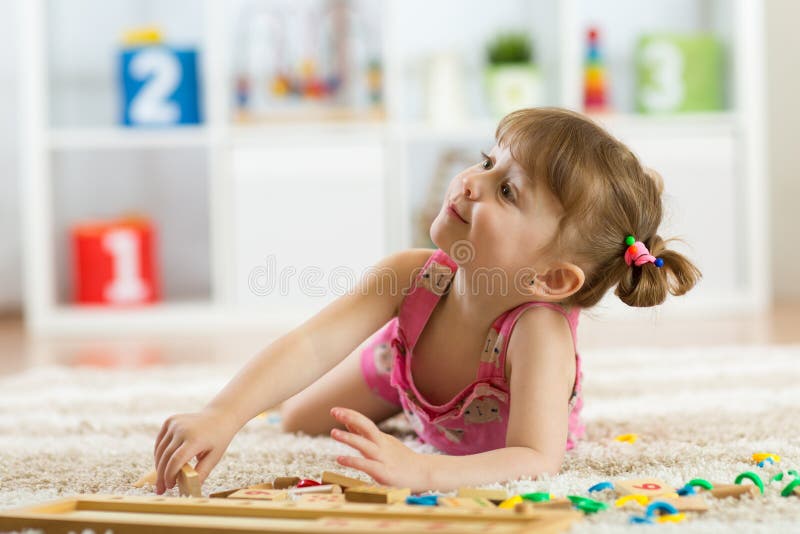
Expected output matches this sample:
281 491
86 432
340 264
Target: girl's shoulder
406 266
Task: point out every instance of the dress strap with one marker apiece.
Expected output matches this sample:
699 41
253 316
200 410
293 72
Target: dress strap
493 364
430 284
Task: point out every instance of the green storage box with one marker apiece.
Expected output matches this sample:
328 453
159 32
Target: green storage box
679 72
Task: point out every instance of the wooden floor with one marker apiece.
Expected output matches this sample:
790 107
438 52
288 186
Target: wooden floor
19 351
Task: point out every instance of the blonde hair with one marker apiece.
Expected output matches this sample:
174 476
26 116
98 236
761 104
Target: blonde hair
606 195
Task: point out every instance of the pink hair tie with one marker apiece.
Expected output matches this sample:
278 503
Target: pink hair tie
638 254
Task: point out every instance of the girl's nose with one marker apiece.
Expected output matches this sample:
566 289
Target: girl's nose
470 187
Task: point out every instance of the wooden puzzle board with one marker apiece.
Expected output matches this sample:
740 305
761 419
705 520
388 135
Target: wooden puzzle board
126 514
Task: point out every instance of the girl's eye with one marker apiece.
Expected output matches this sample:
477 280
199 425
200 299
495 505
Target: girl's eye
487 161
507 191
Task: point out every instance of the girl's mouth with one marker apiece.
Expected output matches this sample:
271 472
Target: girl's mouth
452 210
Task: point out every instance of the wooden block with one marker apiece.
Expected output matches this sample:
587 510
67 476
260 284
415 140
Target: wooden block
324 488
189 482
226 493
524 508
329 477
721 491
260 494
168 514
320 497
263 485
223 494
651 487
148 479
285 482
557 503
690 503
400 524
376 494
491 494
465 502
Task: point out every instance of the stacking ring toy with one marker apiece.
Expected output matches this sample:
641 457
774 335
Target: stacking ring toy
703 483
627 438
538 496
423 500
509 503
761 456
660 505
601 486
752 476
584 504
641 499
790 487
671 518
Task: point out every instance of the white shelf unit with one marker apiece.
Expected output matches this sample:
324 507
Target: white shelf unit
713 163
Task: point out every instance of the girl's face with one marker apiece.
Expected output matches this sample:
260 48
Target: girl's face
494 215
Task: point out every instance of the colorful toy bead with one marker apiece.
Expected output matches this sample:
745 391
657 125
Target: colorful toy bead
671 518
630 240
306 482
636 520
586 505
686 490
627 438
761 456
703 483
660 506
510 503
538 496
752 476
423 500
779 476
601 486
789 489
640 499
659 262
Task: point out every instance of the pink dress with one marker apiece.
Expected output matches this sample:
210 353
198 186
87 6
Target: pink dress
476 419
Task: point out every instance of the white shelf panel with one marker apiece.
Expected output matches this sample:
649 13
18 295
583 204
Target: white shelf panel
693 124
259 133
128 138
183 317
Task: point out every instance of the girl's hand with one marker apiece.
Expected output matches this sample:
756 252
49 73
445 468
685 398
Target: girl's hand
204 435
385 458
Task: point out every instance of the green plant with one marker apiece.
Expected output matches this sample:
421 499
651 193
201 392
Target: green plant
510 47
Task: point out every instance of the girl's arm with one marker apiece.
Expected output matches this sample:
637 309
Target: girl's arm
285 367
541 354
294 361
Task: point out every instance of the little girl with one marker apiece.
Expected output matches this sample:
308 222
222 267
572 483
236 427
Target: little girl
555 215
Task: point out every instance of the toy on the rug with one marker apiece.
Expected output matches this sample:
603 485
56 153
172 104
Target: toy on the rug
762 458
102 513
661 502
188 481
627 438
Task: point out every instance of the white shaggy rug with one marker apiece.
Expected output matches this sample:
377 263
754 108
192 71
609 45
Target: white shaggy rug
698 412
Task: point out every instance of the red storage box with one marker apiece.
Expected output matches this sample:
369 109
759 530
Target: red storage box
115 262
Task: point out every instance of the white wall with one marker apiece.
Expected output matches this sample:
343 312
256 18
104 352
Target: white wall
783 108
10 262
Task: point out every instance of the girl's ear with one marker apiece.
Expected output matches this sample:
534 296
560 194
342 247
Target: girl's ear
557 283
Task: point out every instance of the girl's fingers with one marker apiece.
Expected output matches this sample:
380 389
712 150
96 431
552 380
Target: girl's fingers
181 455
166 439
359 443
162 465
161 434
356 421
374 469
